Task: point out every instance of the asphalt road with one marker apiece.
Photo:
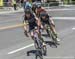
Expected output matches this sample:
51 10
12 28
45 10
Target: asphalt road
14 39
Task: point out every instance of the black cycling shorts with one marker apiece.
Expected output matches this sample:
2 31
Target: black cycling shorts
32 27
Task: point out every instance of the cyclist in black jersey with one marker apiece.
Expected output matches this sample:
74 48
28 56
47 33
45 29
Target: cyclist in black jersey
31 21
46 19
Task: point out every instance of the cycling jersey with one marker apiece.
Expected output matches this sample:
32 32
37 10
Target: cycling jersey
39 11
45 21
31 21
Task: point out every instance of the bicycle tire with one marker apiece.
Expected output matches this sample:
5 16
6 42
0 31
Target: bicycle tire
39 54
38 42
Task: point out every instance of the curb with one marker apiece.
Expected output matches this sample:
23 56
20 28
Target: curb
5 12
21 10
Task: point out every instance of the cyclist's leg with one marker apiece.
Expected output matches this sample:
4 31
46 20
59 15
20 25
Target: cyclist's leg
53 29
31 31
45 25
55 33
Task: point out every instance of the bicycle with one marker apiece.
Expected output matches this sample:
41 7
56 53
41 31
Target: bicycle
40 49
51 34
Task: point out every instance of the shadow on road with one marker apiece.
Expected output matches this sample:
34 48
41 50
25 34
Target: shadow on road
31 51
45 35
51 44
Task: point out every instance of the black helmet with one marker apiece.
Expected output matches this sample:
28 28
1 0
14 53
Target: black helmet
28 11
34 6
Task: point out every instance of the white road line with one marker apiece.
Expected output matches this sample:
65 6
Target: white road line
66 18
20 25
17 50
73 28
48 9
11 11
65 9
25 47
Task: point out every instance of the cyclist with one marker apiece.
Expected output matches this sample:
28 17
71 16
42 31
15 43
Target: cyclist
34 6
27 5
39 9
33 22
45 19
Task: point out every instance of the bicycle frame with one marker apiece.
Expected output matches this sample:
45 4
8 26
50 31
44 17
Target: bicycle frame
39 46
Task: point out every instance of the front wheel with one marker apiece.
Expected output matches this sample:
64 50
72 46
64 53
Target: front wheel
39 54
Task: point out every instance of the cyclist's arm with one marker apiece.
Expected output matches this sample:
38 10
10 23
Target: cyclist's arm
42 8
38 21
51 21
25 25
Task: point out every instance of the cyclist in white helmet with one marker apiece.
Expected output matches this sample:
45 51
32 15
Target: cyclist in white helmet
27 5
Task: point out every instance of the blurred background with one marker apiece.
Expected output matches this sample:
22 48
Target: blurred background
9 3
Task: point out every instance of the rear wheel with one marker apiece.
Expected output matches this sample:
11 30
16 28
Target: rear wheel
39 54
43 48
38 45
39 49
